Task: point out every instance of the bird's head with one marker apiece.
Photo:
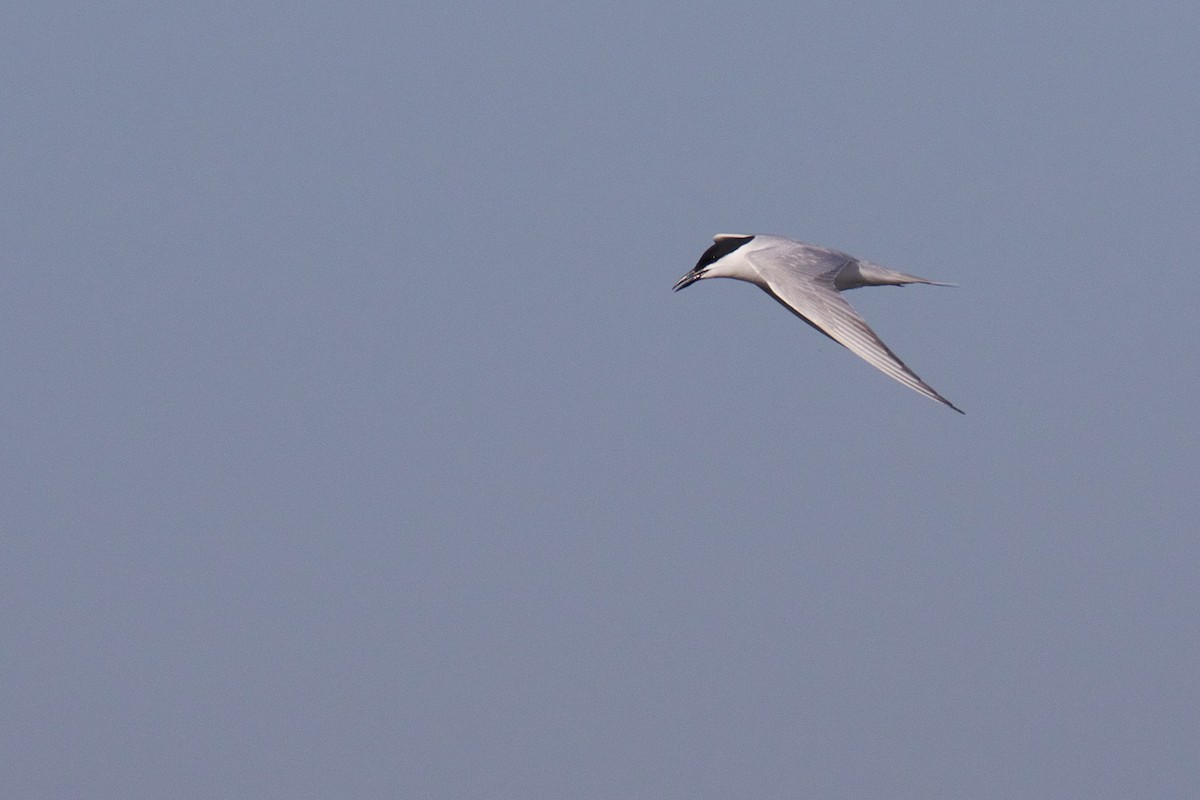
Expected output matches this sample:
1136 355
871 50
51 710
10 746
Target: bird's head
721 260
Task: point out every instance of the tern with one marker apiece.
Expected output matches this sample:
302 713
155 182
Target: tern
807 280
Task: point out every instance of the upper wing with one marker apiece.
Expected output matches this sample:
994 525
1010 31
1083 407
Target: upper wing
816 301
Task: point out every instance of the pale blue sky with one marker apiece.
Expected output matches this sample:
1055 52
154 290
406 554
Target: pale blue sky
355 445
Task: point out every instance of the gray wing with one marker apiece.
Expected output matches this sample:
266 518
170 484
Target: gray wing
815 299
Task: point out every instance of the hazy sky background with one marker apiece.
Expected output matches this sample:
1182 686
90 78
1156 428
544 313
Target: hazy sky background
354 444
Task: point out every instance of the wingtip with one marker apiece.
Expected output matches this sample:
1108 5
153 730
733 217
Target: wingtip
929 392
948 404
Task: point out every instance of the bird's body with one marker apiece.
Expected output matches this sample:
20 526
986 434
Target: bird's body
807 280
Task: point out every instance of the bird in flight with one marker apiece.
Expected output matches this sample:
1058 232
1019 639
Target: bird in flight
808 279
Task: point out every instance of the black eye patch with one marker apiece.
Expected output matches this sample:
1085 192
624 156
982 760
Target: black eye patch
720 249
